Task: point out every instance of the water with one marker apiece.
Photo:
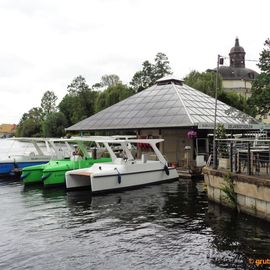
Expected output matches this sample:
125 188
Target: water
168 226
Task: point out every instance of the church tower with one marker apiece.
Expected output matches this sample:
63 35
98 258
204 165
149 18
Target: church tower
236 77
237 55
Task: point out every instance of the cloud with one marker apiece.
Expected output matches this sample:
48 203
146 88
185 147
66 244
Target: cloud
12 66
45 44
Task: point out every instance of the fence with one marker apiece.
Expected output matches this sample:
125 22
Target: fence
251 157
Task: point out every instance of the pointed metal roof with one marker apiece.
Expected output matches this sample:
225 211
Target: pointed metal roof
169 103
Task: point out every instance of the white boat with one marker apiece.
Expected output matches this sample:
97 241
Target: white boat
123 172
27 152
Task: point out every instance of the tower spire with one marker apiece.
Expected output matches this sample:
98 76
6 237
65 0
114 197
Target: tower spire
236 42
237 55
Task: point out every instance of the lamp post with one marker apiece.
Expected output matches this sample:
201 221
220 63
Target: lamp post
220 61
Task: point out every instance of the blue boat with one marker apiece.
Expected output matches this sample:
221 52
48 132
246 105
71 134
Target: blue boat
34 154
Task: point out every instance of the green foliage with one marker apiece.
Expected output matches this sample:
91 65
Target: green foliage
204 82
101 102
112 95
48 103
141 80
235 100
162 66
150 73
79 103
54 125
110 80
222 146
264 61
68 106
30 124
220 132
260 98
77 85
228 189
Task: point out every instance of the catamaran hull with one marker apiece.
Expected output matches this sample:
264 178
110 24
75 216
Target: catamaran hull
117 181
55 176
7 168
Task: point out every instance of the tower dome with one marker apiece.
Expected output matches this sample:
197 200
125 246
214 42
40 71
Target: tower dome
237 55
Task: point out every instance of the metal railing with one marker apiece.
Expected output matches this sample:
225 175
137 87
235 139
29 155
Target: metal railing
246 156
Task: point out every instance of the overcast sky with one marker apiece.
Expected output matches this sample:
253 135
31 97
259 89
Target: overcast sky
45 44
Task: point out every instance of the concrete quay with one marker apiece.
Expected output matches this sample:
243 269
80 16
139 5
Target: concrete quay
248 194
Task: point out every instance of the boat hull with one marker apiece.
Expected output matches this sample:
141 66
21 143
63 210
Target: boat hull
55 175
53 172
33 174
129 180
118 177
10 168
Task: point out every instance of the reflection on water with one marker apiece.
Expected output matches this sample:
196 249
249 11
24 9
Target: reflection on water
243 236
168 226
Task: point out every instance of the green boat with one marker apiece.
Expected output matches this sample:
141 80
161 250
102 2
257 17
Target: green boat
33 174
53 172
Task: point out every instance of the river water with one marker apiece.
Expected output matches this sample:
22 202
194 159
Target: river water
167 226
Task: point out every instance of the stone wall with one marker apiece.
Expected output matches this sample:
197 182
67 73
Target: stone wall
252 193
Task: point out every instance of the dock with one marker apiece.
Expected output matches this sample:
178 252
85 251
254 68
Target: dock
190 173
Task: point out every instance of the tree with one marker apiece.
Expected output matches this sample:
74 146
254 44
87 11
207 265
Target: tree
139 81
264 61
30 124
260 98
110 80
79 103
235 100
77 85
67 106
144 78
54 125
150 73
101 102
112 95
204 82
162 66
48 103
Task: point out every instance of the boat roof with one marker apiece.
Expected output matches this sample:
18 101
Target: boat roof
83 139
147 141
72 139
123 137
29 139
